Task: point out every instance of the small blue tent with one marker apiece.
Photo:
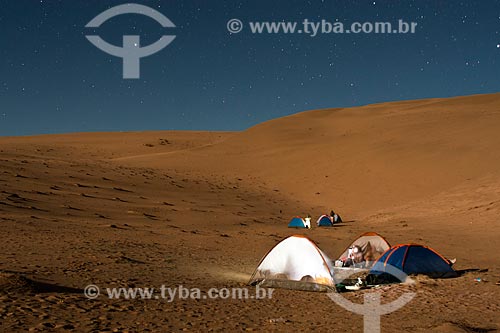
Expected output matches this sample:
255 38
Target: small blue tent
297 222
325 221
414 259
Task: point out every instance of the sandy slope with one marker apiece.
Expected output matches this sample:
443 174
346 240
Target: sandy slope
363 158
200 209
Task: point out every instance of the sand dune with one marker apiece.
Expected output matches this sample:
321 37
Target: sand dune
200 209
361 158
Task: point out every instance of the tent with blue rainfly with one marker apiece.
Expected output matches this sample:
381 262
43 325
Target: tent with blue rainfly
325 221
413 259
297 222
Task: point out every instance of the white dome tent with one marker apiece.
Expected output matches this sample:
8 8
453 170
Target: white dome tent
295 263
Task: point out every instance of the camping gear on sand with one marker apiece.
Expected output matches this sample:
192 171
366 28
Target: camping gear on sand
297 263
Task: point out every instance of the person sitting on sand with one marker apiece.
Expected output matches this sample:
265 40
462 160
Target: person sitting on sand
308 221
335 217
358 256
354 257
352 254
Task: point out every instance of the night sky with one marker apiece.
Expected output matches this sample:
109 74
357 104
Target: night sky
53 80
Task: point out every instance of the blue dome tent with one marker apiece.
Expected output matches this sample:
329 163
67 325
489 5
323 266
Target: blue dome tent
414 259
325 221
297 222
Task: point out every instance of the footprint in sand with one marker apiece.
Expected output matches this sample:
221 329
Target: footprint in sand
121 189
70 207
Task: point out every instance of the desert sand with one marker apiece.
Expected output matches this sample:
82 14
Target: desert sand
200 209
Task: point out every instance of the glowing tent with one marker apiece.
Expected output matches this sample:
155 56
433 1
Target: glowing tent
295 263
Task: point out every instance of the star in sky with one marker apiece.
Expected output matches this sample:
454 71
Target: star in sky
52 65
